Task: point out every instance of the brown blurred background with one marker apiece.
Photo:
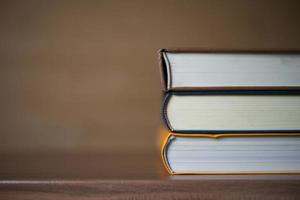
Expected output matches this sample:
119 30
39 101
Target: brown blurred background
83 75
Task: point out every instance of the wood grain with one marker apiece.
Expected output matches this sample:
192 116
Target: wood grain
143 189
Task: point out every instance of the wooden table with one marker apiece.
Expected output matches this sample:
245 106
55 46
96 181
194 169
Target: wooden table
126 175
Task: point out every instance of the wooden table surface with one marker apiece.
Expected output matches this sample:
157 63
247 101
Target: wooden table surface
126 175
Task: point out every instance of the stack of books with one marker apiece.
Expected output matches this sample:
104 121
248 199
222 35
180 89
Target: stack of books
231 112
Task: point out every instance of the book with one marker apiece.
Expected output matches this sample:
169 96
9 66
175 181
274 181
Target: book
231 153
242 111
229 69
231 112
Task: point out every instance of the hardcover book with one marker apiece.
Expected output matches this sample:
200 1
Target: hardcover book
230 69
232 111
231 153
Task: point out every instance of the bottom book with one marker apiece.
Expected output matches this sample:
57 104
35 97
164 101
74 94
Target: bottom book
231 153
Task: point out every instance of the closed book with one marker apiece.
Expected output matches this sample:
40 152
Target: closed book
231 153
207 69
238 111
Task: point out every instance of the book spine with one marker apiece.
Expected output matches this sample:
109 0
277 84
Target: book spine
163 70
163 151
164 113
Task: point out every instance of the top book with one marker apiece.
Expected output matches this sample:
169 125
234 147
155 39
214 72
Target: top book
230 69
